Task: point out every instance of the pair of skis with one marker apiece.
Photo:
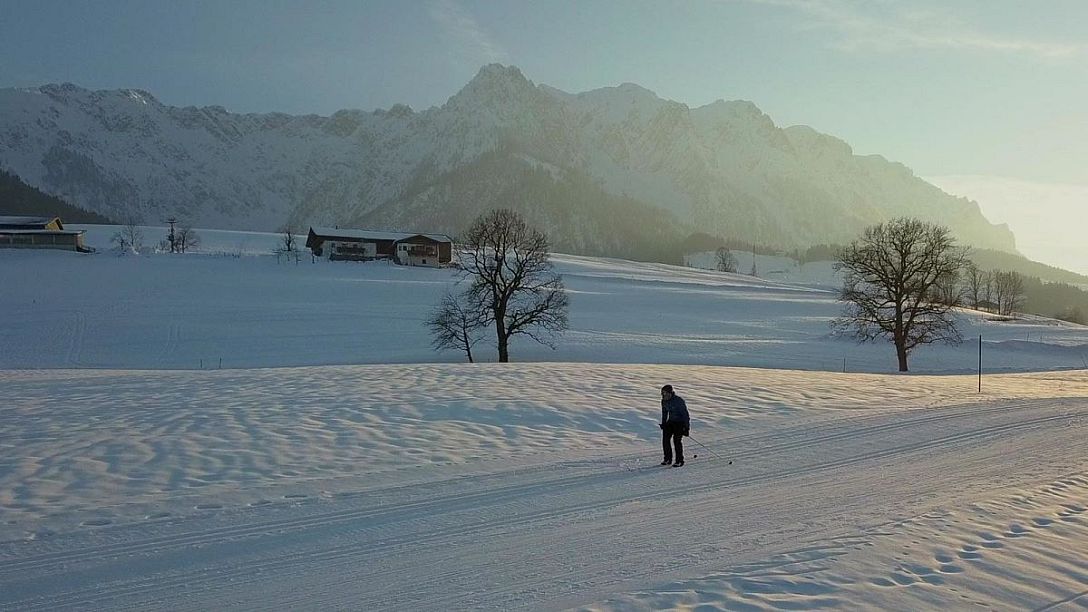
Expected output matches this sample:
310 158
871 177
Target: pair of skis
638 467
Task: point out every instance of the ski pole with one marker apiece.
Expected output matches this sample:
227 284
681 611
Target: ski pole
708 450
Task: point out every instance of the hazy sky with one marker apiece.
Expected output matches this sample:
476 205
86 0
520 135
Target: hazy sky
973 87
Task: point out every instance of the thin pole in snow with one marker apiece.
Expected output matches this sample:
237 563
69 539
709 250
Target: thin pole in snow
708 450
980 363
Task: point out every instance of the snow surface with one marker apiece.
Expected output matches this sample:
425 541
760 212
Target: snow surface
512 486
186 312
132 479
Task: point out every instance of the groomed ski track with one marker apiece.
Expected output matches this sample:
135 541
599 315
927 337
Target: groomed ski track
582 531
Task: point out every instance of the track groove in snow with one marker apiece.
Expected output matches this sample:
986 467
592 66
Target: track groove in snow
538 485
218 556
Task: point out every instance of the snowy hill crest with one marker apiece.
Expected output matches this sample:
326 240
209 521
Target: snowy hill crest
570 161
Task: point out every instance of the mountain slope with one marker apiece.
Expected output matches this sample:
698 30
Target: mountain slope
18 198
612 153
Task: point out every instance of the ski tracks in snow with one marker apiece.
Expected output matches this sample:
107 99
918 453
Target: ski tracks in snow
567 533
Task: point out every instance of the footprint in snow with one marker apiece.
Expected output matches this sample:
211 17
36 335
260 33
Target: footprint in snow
903 579
1016 530
882 582
990 540
943 557
969 553
96 523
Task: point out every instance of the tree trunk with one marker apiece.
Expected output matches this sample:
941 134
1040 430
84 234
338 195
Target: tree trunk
901 351
502 337
466 343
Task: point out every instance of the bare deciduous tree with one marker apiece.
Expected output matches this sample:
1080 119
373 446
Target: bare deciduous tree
889 277
726 261
288 244
974 284
130 238
1009 290
948 289
454 324
186 238
513 285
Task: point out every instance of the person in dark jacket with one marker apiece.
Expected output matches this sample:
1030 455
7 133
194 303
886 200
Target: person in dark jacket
675 424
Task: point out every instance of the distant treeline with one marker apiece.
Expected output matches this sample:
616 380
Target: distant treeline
1058 300
18 198
1048 291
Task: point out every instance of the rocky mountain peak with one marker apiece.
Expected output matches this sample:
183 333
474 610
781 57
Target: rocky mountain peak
723 168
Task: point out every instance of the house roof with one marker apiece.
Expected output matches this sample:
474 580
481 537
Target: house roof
47 232
363 234
21 222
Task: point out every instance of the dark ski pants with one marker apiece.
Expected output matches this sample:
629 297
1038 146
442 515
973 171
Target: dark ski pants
676 436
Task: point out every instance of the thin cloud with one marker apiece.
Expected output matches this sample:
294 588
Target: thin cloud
896 28
470 40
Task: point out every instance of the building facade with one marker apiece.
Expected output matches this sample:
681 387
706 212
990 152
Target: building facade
337 244
39 233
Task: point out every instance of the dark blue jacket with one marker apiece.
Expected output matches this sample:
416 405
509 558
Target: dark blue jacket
674 411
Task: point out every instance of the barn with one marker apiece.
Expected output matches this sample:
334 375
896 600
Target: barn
410 249
39 233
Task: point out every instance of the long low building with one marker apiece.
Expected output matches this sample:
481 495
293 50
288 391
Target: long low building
406 248
39 233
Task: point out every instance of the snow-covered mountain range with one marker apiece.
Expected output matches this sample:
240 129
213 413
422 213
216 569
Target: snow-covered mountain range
615 171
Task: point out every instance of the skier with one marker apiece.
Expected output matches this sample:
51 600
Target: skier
674 425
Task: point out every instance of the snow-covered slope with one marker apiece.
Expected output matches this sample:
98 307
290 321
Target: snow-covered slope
535 486
451 486
575 162
162 311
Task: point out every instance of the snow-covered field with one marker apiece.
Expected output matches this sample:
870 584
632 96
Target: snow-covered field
358 474
449 487
64 310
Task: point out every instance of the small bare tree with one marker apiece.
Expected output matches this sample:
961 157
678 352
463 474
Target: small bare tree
725 259
130 238
1009 289
186 238
974 284
288 244
889 277
513 285
989 293
454 324
948 289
